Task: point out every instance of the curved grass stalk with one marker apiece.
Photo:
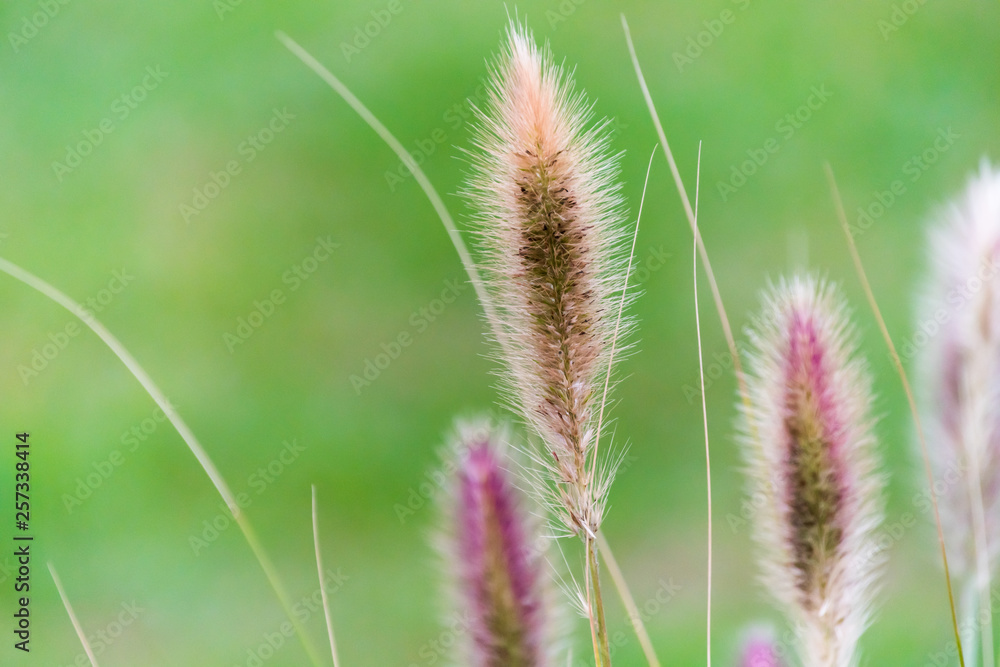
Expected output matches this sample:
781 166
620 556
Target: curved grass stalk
716 296
704 412
626 595
692 220
863 277
692 215
72 616
322 582
178 423
425 184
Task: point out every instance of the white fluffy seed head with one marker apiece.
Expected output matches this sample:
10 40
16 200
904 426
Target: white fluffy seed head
550 220
957 344
808 441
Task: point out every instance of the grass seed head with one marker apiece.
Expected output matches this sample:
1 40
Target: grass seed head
549 215
808 439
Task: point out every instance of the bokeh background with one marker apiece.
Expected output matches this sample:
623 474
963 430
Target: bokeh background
897 74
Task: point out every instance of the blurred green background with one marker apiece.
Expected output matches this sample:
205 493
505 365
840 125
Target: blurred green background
199 79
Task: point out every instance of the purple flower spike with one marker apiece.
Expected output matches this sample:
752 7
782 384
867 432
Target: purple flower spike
499 567
759 651
808 439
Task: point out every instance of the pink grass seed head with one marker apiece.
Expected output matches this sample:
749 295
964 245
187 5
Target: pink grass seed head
496 558
807 437
759 651
549 215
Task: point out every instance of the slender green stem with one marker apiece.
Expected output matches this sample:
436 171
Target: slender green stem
626 595
901 372
322 583
422 180
591 617
689 211
727 329
271 572
72 616
185 432
704 414
621 309
598 606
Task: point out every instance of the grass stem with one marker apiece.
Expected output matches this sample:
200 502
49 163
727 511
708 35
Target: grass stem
704 414
863 277
601 626
72 616
185 432
626 595
322 582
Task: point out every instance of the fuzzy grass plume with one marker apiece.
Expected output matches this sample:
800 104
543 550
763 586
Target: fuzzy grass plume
959 324
494 553
809 444
549 215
